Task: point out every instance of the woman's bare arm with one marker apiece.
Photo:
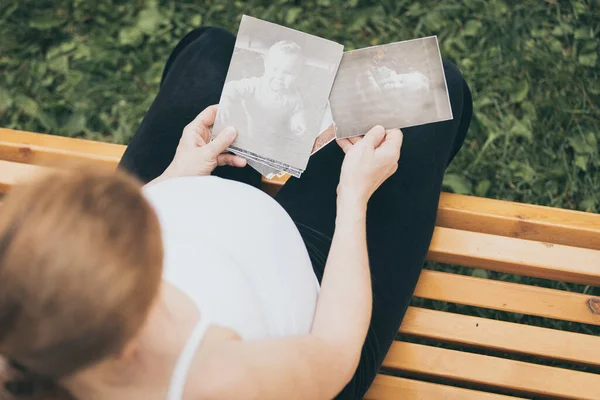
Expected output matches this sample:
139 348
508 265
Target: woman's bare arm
344 307
318 365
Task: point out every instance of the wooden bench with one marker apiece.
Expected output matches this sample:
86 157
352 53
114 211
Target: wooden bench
444 355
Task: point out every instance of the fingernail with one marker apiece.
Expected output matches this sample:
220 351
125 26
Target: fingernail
380 129
230 130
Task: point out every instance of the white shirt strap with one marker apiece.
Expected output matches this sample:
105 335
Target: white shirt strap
185 360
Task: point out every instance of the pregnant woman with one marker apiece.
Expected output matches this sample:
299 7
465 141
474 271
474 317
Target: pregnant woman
200 286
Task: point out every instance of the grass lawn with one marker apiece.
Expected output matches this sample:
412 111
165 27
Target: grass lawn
91 69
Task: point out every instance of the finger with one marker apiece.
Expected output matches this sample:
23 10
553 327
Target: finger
393 140
222 141
231 159
207 116
355 139
345 144
196 132
393 169
375 136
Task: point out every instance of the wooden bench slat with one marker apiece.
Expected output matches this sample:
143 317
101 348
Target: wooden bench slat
12 173
505 296
35 148
43 149
387 387
490 371
491 251
454 246
560 244
497 217
516 256
466 290
524 221
503 336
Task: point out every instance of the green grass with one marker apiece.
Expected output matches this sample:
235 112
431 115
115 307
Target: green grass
91 68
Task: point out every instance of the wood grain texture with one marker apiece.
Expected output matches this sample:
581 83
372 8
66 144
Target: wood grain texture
505 296
388 387
518 220
40 149
12 173
497 217
503 236
502 336
499 253
494 372
516 256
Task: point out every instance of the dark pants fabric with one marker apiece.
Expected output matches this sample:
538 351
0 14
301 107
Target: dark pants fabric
401 214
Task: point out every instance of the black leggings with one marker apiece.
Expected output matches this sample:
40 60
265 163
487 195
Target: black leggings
401 214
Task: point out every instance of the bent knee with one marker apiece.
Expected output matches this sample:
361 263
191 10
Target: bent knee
452 72
219 32
457 86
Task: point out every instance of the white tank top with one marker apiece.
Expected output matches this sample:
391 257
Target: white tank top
238 255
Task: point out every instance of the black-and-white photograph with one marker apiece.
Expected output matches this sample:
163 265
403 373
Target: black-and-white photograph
276 91
326 136
269 162
395 85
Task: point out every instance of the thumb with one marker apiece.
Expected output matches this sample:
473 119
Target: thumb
375 136
222 141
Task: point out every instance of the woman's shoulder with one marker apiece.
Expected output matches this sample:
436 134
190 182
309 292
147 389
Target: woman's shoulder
213 370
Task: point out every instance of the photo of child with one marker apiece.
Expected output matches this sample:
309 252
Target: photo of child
326 136
276 93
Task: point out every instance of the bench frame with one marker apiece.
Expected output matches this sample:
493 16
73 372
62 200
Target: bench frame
491 234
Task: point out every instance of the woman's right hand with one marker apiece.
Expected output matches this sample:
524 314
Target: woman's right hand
369 161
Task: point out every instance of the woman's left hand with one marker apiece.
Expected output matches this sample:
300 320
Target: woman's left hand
196 155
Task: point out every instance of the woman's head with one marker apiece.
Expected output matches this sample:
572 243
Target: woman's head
80 266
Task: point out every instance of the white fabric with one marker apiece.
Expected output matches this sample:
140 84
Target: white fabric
237 254
186 358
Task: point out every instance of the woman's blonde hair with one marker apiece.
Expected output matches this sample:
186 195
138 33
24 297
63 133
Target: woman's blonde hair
80 264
